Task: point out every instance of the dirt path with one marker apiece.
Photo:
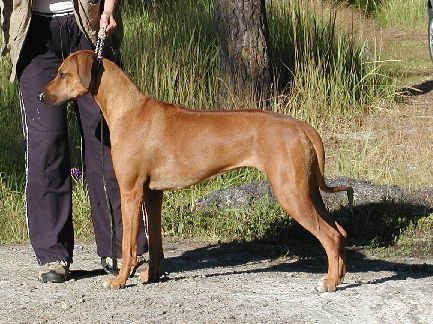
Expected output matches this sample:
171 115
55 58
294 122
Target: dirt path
236 283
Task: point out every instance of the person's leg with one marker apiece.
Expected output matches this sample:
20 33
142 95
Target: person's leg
88 112
48 183
89 119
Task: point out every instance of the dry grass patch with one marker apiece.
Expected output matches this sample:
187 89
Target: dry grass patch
392 145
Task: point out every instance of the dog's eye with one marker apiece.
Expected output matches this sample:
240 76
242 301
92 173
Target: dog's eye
62 75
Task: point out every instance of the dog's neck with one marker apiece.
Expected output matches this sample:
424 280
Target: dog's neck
112 86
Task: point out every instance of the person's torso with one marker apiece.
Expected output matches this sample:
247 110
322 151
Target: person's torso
55 7
16 16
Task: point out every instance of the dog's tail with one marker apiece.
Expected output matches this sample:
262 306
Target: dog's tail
320 166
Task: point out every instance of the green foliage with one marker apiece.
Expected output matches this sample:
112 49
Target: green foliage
182 218
402 13
11 139
171 51
383 224
417 237
256 221
322 64
368 6
83 226
393 12
13 223
11 147
9 92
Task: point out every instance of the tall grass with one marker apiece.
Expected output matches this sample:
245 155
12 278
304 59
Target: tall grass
329 74
367 6
409 13
171 52
13 226
388 13
11 148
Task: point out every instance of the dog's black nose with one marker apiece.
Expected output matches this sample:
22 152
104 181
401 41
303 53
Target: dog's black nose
41 96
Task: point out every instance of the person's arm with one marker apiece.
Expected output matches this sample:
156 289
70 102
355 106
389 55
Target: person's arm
107 18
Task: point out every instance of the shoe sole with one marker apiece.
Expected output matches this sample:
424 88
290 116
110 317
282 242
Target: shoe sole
51 277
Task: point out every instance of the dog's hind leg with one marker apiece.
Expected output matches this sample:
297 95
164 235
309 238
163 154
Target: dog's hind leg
299 196
153 205
299 206
337 236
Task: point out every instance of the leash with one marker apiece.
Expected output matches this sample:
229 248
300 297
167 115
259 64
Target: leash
97 68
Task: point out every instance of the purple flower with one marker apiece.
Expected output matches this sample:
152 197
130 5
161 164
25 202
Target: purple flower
76 174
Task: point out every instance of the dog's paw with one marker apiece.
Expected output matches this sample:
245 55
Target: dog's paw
325 286
114 283
147 276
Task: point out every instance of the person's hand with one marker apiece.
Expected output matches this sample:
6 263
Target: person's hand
107 20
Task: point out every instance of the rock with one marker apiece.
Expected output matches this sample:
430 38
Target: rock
365 192
237 198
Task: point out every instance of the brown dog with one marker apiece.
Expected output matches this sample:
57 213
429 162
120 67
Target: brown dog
157 146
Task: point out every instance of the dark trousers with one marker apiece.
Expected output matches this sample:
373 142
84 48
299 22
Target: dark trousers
48 179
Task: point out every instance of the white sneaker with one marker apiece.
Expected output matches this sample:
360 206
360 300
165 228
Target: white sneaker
107 264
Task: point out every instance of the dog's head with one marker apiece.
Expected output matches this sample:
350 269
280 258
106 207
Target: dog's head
73 79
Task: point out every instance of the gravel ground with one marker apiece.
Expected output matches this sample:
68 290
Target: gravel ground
233 282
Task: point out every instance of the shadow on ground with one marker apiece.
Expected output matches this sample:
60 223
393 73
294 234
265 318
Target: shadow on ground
307 257
289 248
418 89
84 274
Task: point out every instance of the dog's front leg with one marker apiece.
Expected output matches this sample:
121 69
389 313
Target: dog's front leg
131 210
153 204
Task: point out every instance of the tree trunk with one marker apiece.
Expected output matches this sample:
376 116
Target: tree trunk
244 48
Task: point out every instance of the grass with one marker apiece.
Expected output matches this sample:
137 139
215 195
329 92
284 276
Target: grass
367 6
255 222
413 239
12 205
409 13
324 75
172 51
11 148
417 237
81 211
322 64
394 155
181 218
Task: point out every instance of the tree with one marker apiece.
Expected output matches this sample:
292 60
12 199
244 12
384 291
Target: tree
244 48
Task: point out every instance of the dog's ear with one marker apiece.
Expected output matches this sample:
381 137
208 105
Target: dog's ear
84 65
